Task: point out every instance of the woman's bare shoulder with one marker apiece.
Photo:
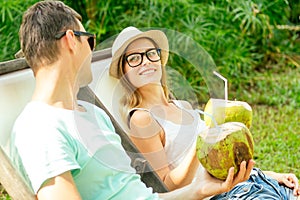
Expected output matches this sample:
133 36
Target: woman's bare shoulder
143 125
141 118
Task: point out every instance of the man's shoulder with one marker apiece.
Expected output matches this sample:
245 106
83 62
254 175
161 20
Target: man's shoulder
39 117
30 112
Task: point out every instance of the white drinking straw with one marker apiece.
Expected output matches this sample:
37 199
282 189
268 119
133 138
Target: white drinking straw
225 82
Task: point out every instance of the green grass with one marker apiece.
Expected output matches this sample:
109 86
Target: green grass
273 88
3 194
276 119
276 136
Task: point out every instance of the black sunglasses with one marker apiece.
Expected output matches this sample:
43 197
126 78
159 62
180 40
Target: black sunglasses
91 37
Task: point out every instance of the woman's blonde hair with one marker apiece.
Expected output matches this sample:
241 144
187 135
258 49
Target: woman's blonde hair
132 97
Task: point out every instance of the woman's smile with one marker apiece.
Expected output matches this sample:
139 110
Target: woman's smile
147 71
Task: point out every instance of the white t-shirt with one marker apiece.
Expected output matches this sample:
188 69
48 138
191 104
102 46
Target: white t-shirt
48 141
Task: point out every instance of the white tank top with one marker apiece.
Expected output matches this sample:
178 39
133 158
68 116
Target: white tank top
179 139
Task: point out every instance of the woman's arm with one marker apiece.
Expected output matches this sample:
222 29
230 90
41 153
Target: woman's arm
288 179
148 136
185 172
206 186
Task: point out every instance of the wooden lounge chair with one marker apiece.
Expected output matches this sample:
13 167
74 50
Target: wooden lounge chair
16 88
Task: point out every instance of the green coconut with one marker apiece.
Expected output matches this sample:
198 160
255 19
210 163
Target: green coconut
227 111
225 146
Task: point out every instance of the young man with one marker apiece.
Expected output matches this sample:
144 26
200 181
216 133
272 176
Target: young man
67 149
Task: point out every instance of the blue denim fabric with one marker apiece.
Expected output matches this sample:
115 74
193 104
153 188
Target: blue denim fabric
258 186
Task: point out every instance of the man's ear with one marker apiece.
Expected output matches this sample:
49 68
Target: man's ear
70 40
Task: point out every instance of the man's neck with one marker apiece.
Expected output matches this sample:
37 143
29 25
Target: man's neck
56 87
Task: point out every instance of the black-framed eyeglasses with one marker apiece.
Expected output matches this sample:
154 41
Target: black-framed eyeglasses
135 59
91 37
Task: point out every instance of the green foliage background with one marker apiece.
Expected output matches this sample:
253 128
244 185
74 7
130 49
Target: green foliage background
255 44
245 38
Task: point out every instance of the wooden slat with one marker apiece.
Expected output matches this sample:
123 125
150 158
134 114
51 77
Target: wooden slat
20 63
12 181
101 54
13 65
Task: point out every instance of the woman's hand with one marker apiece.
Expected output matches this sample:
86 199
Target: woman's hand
210 186
288 179
205 185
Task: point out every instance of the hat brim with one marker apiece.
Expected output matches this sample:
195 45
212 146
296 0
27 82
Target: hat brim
157 36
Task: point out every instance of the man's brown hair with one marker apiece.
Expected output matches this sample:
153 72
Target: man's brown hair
41 22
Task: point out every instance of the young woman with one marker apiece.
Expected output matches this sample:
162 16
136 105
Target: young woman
165 130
